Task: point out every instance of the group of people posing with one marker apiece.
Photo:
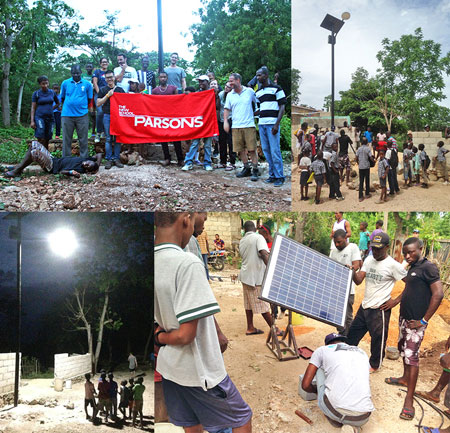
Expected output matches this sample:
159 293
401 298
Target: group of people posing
88 95
323 155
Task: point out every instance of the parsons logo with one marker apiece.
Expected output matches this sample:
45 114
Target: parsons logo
125 112
169 122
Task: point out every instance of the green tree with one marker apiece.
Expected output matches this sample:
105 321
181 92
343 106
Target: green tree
242 35
296 78
413 70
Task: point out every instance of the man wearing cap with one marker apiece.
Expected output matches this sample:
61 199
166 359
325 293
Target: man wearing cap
239 104
416 233
419 301
380 272
343 388
203 84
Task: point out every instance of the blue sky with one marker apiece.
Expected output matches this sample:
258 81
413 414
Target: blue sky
359 39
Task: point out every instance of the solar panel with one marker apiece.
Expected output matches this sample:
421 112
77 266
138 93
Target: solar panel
306 281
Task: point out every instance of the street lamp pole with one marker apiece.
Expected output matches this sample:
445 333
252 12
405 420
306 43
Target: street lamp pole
332 41
19 308
160 39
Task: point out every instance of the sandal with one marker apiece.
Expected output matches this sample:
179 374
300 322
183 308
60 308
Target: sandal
407 414
393 381
255 332
430 430
427 396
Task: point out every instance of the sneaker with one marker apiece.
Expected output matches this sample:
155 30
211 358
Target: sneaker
165 163
102 135
445 183
246 172
220 165
117 163
108 164
187 167
208 168
269 180
255 175
340 198
280 182
97 139
229 167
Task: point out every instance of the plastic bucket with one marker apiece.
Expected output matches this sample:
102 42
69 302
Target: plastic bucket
297 319
58 384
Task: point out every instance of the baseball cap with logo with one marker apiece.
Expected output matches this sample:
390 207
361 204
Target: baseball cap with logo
332 337
380 240
203 78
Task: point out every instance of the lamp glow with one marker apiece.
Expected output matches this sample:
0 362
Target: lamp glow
63 242
345 16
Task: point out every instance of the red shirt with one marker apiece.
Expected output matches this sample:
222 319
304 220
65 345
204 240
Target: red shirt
170 90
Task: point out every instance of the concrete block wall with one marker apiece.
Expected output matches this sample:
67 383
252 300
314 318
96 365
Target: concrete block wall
430 139
226 224
7 372
70 366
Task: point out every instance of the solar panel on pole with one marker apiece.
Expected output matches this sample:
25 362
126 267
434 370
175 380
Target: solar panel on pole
306 281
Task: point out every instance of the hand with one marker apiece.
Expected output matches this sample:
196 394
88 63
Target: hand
124 67
414 324
226 126
111 92
388 304
75 173
275 130
33 125
223 341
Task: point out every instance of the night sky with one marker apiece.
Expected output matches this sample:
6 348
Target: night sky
47 278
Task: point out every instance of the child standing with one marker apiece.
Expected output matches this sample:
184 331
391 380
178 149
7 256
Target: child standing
424 163
416 164
138 396
319 170
124 392
130 396
304 165
441 161
113 387
89 397
335 187
407 155
392 158
383 170
364 238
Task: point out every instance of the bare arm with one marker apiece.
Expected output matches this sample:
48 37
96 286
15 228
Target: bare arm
277 123
308 378
264 256
226 125
182 336
33 111
119 76
348 229
183 84
95 84
223 341
358 277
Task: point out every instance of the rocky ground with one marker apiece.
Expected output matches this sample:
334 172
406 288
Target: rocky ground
271 387
42 409
148 187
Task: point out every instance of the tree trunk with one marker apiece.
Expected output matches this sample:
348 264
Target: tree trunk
22 84
101 324
6 116
300 227
398 225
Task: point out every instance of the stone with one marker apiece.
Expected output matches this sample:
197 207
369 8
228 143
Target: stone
69 406
69 202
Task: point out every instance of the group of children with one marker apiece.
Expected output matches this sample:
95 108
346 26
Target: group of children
327 165
131 394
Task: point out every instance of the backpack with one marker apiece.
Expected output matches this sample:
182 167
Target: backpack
393 162
427 162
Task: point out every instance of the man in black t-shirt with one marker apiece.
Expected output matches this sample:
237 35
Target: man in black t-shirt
103 101
344 160
419 301
69 165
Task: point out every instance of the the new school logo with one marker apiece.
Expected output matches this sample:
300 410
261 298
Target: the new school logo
125 112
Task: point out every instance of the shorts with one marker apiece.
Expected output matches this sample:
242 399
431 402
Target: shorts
244 138
344 162
215 409
89 402
406 171
44 127
409 341
104 404
130 404
304 176
382 182
124 404
138 405
251 300
319 179
41 155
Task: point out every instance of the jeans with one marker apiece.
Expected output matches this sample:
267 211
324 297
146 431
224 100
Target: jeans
364 176
205 261
335 187
99 118
189 158
109 156
57 117
271 147
226 145
81 124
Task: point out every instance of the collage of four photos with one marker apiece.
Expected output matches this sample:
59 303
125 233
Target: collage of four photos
225 216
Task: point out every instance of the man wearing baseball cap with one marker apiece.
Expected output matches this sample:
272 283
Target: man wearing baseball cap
380 272
203 84
343 388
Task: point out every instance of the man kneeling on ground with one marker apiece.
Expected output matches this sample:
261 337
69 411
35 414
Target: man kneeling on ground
69 165
343 388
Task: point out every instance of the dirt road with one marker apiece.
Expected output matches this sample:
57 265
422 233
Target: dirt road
271 387
54 417
145 188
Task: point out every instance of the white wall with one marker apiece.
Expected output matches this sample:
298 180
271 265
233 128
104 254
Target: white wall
67 367
7 372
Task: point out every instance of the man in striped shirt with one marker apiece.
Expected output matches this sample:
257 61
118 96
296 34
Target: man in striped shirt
272 101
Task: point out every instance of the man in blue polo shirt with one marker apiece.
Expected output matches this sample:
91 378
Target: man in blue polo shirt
239 104
272 101
76 95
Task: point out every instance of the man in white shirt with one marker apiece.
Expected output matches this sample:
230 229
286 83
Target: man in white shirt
124 73
255 255
343 388
347 254
380 272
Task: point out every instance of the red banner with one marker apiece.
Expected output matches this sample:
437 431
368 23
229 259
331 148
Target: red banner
140 118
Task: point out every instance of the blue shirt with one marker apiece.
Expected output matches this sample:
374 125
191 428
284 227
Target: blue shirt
100 75
76 96
240 105
368 135
59 100
44 102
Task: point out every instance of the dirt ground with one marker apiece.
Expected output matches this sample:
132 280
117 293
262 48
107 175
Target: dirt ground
409 199
271 387
148 187
34 418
